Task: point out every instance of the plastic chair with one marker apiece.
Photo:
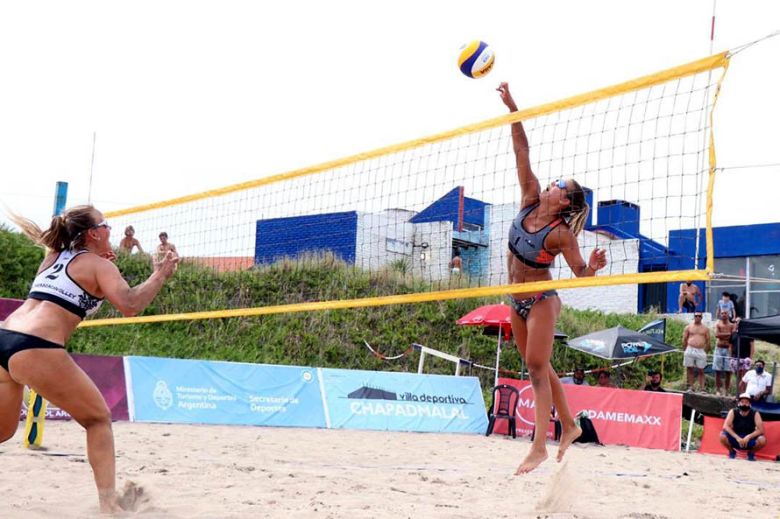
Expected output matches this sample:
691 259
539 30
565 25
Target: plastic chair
558 429
503 406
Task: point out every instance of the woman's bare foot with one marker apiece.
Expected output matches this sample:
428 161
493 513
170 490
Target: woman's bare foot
531 461
132 496
567 438
109 502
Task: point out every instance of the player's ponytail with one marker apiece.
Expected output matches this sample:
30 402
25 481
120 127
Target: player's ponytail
65 231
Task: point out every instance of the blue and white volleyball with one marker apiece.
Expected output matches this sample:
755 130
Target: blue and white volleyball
476 59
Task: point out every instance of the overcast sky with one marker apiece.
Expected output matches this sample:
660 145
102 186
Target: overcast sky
192 95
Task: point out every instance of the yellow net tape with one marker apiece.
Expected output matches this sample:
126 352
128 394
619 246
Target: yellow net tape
660 80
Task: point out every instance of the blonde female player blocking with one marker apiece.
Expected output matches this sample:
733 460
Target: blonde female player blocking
547 225
74 278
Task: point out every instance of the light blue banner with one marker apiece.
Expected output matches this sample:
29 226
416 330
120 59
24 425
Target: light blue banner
194 391
387 401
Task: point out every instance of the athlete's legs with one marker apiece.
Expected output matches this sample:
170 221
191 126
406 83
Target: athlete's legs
10 405
568 426
54 375
539 330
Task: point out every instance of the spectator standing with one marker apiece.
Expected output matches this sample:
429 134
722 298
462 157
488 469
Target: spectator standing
721 361
725 304
757 383
743 430
456 263
654 382
127 243
696 339
689 297
165 246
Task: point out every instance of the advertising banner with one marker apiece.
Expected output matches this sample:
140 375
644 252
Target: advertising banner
194 391
710 441
620 416
108 374
387 401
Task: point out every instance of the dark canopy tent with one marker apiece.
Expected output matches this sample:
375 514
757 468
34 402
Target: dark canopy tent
761 328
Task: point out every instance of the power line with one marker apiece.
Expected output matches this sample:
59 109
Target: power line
751 166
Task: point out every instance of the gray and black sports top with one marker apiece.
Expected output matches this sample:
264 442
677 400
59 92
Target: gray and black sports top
528 247
53 284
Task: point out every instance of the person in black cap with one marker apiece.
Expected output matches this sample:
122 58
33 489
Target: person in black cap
743 430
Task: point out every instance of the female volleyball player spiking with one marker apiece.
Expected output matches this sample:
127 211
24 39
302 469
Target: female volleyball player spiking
547 225
72 281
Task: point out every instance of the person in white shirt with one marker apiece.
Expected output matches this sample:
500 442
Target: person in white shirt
757 382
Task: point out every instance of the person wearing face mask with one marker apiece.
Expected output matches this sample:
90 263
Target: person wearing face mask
743 430
757 383
654 382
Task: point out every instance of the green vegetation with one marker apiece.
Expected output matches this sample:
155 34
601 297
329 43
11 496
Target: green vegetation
333 338
18 263
325 338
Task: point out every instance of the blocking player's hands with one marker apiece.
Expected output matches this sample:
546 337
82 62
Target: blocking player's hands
506 96
167 265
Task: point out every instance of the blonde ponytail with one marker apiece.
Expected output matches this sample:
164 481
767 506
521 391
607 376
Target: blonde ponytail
65 231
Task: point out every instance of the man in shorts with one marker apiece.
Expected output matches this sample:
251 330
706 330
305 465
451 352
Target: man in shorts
743 430
721 361
696 339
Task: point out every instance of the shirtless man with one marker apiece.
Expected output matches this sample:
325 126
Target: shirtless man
689 297
456 264
129 241
721 364
696 338
165 246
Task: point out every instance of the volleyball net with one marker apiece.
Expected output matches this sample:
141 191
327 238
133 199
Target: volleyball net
643 149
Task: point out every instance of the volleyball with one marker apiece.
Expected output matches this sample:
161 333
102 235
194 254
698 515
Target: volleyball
476 59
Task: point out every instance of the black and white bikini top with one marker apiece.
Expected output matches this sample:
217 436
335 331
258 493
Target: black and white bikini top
53 284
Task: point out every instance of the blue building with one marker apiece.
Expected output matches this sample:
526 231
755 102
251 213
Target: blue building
749 256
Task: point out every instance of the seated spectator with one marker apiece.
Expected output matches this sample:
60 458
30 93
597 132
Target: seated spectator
654 382
129 241
578 378
743 430
604 379
756 383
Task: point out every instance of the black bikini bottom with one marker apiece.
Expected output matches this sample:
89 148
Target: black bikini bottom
13 342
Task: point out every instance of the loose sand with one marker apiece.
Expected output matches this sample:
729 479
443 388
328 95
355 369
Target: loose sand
234 472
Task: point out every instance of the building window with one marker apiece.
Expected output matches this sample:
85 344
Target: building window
756 294
764 286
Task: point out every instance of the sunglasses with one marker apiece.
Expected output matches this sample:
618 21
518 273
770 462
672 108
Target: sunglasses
102 224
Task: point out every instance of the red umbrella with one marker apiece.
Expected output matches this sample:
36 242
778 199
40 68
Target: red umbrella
494 318
491 317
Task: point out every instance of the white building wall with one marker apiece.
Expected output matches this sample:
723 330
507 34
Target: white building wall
622 255
434 240
382 238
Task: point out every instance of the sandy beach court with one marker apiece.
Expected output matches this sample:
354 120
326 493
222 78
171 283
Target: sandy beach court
204 471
